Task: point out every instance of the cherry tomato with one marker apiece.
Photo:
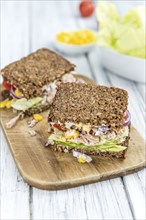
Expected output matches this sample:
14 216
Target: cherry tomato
6 85
86 8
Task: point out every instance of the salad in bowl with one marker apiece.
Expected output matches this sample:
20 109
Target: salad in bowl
122 40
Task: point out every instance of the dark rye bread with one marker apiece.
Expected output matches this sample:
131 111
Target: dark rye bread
31 73
109 154
37 110
92 104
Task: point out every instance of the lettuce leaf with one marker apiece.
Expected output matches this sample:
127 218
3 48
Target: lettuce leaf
110 145
24 104
125 34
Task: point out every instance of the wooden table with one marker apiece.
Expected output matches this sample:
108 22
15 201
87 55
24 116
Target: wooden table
27 26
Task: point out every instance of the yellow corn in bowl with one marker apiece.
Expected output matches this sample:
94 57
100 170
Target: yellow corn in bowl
81 37
76 42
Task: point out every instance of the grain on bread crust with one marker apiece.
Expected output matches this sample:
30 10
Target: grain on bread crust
109 154
31 73
92 104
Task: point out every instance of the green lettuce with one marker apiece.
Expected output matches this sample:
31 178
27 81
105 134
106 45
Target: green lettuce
125 34
110 145
24 104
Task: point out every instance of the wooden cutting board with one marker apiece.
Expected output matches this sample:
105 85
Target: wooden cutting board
44 169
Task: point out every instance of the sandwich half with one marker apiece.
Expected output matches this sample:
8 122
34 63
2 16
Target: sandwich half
31 82
89 119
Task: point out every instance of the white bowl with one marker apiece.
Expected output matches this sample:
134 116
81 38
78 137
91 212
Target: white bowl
126 66
74 49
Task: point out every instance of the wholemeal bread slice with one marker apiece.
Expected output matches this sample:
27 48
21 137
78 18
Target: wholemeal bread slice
92 104
31 73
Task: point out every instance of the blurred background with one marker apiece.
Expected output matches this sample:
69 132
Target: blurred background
119 26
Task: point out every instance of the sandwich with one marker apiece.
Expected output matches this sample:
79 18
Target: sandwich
30 83
90 119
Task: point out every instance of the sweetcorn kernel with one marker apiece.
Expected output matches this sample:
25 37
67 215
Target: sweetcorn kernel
69 137
37 117
76 133
86 127
18 93
3 103
8 104
81 159
84 36
72 134
62 139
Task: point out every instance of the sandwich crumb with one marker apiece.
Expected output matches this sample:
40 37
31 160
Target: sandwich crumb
82 158
32 123
32 132
14 120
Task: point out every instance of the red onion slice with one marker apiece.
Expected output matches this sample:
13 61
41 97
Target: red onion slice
13 93
128 119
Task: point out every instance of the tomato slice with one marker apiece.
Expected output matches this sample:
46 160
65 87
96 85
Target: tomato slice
59 127
6 85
